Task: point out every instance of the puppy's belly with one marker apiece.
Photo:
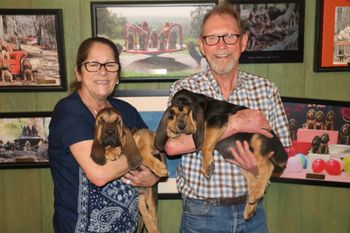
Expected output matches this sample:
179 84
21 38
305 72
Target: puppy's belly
224 146
259 145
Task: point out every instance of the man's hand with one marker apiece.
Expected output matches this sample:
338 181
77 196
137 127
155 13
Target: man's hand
244 158
142 177
249 121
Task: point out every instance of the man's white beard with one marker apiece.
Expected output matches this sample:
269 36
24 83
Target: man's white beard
220 69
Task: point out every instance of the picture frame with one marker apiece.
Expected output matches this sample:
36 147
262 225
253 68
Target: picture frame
167 30
276 30
332 36
320 135
32 50
24 139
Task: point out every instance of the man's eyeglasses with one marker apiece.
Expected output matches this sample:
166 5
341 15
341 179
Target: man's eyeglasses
93 66
229 39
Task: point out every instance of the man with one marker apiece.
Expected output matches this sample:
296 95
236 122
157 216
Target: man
205 202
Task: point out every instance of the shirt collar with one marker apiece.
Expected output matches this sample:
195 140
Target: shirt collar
213 83
240 79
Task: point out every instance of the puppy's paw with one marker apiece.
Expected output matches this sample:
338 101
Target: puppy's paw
249 211
157 166
208 170
161 170
111 157
112 153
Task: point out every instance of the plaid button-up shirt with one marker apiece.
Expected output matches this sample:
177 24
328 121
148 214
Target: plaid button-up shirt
252 91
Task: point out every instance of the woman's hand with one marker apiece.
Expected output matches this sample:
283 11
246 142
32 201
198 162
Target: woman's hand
141 177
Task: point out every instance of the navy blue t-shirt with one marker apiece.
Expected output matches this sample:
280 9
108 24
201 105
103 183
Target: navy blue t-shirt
80 206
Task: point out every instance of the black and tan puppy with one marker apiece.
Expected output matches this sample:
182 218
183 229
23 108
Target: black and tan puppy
206 119
324 144
112 139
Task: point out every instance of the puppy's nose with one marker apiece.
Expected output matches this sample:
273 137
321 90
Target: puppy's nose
110 132
181 125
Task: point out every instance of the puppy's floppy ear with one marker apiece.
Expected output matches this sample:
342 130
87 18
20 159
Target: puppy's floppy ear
198 116
161 133
131 151
97 153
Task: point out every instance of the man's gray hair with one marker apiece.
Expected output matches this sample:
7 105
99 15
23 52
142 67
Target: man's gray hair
223 9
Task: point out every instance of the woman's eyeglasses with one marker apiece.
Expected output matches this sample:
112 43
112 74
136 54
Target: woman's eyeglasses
229 39
92 66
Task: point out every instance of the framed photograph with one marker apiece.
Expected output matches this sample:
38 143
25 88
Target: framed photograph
332 36
157 40
276 30
320 134
24 139
32 50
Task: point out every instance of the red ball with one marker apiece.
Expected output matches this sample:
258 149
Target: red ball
318 165
333 167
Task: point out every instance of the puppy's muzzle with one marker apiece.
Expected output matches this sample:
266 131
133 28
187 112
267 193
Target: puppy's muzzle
181 126
110 138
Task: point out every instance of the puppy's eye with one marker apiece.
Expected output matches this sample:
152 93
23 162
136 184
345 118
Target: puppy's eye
101 121
118 121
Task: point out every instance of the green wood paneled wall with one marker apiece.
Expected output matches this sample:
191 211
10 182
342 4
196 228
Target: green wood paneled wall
26 195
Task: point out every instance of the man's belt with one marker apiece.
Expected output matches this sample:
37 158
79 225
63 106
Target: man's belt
228 201
232 200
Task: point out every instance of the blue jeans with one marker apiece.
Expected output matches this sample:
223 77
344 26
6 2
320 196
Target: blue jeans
200 216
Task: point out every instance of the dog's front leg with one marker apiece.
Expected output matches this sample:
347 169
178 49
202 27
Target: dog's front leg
154 164
211 138
144 140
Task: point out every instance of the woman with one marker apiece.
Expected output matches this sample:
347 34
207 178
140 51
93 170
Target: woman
90 197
